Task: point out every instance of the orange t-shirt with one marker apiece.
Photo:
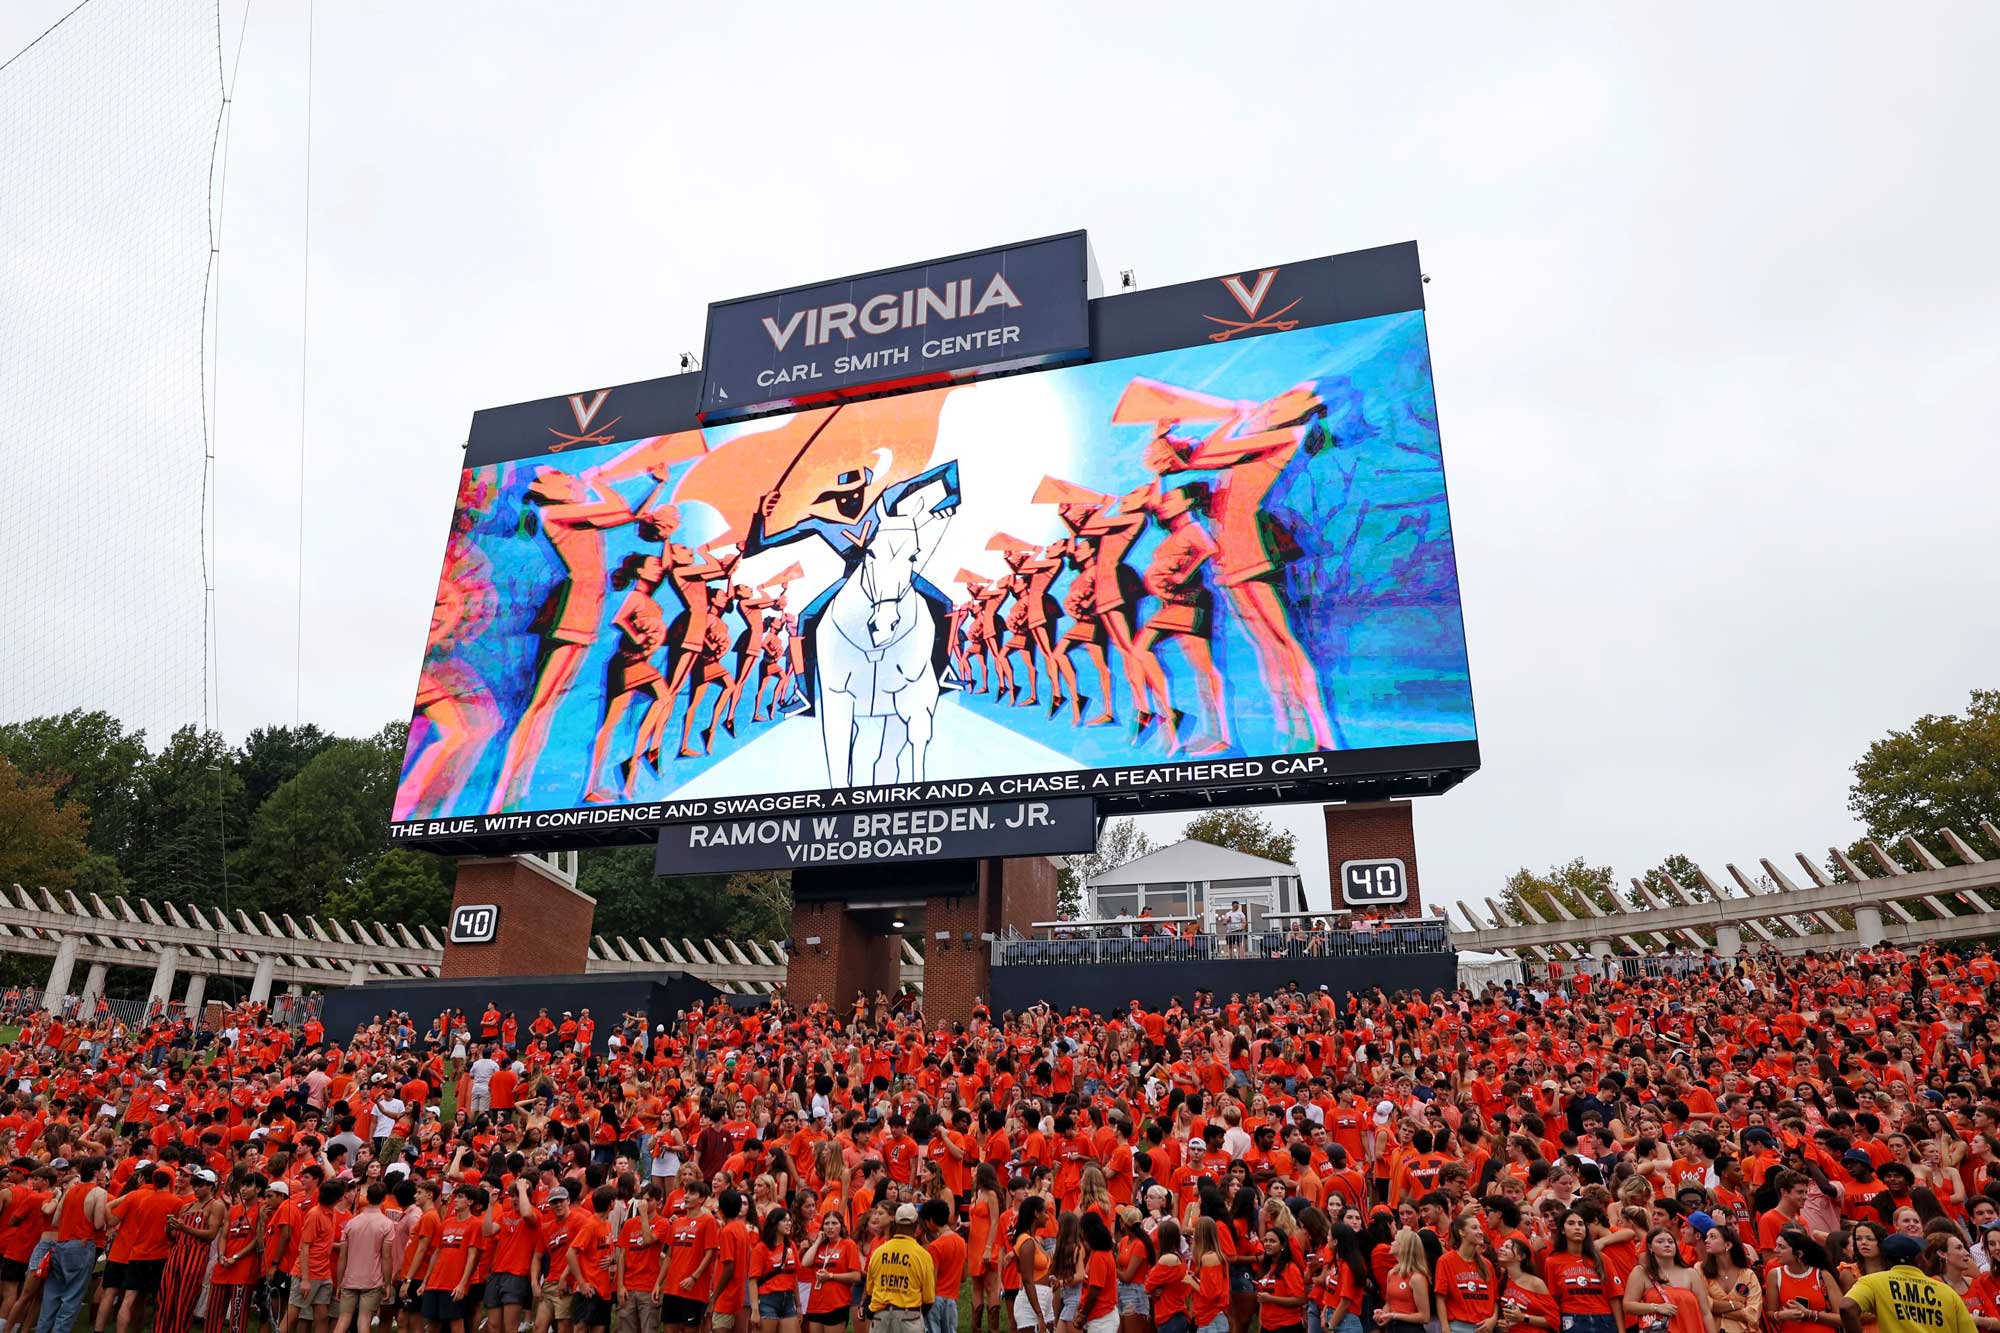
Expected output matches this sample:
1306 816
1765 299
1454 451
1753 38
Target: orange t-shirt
948 1255
317 1235
452 1255
642 1243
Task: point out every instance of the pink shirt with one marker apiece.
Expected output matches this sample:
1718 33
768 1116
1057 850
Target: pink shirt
364 1235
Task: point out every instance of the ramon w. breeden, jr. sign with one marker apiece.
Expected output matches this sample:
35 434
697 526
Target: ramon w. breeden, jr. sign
1002 309
867 837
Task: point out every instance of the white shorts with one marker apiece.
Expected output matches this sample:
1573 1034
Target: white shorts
1024 1313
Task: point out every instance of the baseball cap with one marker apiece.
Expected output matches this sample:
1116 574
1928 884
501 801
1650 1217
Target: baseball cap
906 1215
204 1175
60 1164
1901 1249
558 1195
1857 1157
1385 1111
280 1188
1701 1222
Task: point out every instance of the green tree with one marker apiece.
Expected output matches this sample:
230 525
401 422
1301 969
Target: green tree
185 819
634 902
272 756
1942 772
1571 885
1678 873
89 760
323 830
1120 842
1245 831
41 841
413 888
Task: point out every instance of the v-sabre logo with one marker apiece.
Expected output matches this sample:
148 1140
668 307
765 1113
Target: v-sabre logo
1250 296
911 308
585 409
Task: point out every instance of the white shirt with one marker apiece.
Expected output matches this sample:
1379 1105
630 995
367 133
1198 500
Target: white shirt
483 1070
386 1112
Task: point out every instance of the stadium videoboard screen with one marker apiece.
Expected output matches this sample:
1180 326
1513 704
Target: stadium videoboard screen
1211 565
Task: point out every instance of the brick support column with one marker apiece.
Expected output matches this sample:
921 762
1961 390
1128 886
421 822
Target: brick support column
849 957
1013 891
1370 831
857 950
543 925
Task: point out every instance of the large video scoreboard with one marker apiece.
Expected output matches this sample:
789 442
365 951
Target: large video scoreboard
955 536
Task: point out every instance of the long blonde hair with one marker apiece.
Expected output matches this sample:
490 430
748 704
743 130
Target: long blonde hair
1092 1189
1205 1242
1408 1249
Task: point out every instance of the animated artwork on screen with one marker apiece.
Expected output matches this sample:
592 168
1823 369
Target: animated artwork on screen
1228 550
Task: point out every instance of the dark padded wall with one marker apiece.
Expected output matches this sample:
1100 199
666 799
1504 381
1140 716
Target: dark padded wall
1103 987
656 994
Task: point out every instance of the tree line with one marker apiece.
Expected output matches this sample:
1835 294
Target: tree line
1942 771
293 820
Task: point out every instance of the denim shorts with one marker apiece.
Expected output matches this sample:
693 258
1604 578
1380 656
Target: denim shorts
1242 1278
777 1304
1588 1323
1132 1299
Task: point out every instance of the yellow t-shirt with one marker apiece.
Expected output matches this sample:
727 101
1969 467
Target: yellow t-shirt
900 1274
1903 1300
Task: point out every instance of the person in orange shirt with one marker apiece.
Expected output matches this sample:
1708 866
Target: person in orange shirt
948 1261
138 1253
1281 1284
732 1264
775 1268
592 1263
1097 1301
513 1232
312 1269
986 1246
832 1264
691 1255
21 1224
640 1266
899 1151
451 1259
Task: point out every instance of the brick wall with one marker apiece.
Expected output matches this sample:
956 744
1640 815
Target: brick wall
1368 830
544 926
1010 892
955 972
1028 893
848 957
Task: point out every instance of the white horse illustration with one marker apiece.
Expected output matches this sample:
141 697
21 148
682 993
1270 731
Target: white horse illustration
876 685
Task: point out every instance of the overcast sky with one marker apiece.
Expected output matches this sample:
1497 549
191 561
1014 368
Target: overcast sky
1712 317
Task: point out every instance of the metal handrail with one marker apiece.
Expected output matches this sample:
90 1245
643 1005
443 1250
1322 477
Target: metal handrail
1418 936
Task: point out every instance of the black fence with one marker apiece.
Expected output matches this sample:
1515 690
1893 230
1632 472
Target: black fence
1411 937
1110 989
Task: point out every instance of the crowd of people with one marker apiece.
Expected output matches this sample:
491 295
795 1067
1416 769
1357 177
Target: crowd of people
1736 1149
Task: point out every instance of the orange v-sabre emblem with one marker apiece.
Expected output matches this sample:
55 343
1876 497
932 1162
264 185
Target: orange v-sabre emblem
585 413
1251 298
